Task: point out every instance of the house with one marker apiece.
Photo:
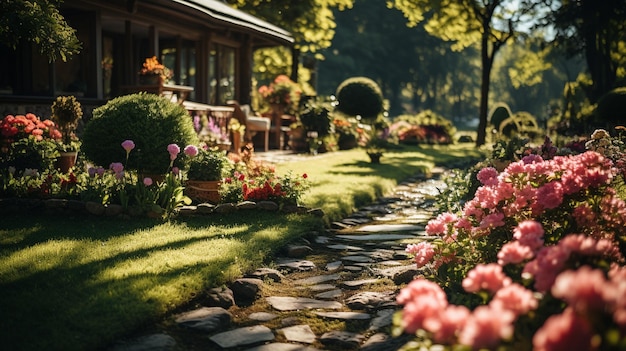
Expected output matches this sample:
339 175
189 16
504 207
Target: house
207 44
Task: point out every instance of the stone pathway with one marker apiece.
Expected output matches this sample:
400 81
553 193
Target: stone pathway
336 292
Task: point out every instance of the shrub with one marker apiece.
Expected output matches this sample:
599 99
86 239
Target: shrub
521 123
499 112
425 127
360 96
149 120
316 117
611 109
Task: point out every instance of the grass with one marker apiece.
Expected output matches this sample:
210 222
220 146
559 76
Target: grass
80 283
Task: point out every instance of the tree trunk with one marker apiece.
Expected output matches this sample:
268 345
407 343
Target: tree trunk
484 90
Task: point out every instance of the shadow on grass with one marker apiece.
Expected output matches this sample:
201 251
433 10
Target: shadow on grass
74 301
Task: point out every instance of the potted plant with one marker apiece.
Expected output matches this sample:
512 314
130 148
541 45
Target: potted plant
153 72
206 170
66 113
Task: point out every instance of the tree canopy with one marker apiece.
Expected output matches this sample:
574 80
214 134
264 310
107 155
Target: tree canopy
488 24
38 22
595 30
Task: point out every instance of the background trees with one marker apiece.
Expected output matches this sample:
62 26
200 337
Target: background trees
40 22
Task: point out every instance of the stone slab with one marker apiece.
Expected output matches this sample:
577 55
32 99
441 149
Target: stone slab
316 279
288 303
345 315
329 295
281 346
299 333
243 336
377 237
386 228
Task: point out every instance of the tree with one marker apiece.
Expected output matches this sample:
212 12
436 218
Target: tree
38 22
487 23
311 22
596 30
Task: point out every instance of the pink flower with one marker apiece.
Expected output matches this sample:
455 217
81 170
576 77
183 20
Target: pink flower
445 325
550 195
486 326
582 289
487 277
174 150
547 264
514 252
191 150
128 145
488 176
566 331
492 220
421 299
529 233
515 298
147 181
176 170
423 251
116 167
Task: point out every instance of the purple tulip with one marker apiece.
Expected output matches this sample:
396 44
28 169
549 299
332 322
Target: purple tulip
128 145
147 181
191 150
174 150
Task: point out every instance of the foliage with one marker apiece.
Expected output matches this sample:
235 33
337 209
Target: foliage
282 91
66 113
38 22
30 153
611 109
208 164
424 127
349 131
152 122
316 116
578 29
359 96
253 180
520 123
498 113
466 23
519 252
577 113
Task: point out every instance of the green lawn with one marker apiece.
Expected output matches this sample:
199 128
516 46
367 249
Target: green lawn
81 283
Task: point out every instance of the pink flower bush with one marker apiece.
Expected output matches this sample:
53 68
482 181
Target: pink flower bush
487 277
543 232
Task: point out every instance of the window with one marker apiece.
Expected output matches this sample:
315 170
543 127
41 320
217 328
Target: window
221 74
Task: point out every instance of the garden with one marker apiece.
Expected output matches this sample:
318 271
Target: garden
526 252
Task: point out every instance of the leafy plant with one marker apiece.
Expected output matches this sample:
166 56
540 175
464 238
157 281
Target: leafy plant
360 96
316 117
66 113
208 164
152 122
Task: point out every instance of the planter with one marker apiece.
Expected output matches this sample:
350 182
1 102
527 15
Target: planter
203 190
375 157
151 79
66 161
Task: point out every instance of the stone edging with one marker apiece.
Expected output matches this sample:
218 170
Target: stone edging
69 207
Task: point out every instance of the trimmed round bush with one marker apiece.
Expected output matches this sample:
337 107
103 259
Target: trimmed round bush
360 96
499 112
150 121
611 109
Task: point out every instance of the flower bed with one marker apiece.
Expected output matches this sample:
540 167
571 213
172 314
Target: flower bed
534 260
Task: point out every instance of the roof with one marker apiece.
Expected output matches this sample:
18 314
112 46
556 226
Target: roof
222 12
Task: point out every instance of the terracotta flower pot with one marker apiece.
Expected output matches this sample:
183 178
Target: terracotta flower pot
203 190
66 161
